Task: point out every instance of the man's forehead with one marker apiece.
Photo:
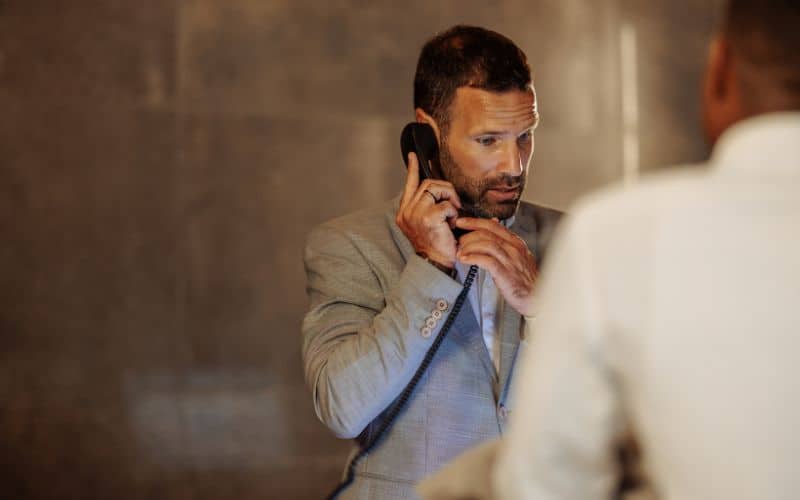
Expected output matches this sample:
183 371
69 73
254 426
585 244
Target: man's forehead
513 109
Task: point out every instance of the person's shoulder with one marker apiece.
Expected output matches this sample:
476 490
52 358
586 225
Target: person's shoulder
357 219
536 211
531 215
654 193
371 223
621 221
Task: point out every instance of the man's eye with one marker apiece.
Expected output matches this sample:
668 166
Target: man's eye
486 141
525 137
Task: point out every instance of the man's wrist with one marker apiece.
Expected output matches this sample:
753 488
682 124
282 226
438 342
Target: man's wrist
450 271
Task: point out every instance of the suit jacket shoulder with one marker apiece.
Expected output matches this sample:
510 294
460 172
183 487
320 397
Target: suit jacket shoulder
535 224
368 236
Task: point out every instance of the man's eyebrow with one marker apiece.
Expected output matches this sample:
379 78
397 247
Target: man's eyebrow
490 132
530 126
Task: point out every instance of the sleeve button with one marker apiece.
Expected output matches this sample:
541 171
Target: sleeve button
441 305
426 332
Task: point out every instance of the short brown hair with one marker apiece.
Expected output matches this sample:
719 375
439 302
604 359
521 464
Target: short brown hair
765 35
466 56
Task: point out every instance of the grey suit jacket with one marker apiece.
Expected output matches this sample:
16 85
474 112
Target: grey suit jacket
364 336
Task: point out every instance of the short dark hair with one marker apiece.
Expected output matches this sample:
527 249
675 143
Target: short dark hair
466 56
765 34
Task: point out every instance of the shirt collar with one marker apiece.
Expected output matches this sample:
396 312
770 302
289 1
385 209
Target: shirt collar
766 144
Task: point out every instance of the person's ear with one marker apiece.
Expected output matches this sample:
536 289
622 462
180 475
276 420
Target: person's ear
719 71
720 91
536 116
423 117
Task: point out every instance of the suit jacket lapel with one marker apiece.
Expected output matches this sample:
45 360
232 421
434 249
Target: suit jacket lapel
466 331
511 323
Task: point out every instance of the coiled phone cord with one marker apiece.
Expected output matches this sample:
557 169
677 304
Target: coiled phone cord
401 401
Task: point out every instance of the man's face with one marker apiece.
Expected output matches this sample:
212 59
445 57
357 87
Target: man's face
487 149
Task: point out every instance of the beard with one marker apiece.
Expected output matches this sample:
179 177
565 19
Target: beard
473 193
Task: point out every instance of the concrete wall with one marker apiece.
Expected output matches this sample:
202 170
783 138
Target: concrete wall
160 165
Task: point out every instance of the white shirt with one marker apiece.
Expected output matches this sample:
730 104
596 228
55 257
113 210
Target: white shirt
671 311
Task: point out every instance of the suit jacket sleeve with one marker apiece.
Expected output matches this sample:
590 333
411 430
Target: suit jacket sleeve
361 343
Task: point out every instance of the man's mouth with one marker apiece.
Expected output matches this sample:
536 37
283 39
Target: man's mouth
503 193
504 189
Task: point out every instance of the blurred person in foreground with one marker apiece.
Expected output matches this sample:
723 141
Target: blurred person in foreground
670 315
382 281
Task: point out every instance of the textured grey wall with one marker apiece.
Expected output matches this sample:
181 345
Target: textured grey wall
160 165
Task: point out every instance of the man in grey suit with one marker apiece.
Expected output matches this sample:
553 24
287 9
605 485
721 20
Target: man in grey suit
382 282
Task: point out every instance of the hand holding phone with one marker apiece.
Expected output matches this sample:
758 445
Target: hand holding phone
429 206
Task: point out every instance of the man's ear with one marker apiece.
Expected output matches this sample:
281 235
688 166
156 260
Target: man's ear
536 116
721 92
719 72
423 117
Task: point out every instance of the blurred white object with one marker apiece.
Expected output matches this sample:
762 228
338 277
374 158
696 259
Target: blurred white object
671 311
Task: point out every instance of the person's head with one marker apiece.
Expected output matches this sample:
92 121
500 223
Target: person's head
753 64
473 86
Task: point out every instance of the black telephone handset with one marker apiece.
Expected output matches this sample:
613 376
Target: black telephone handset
420 138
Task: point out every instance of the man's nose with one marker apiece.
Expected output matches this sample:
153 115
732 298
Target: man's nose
512 160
